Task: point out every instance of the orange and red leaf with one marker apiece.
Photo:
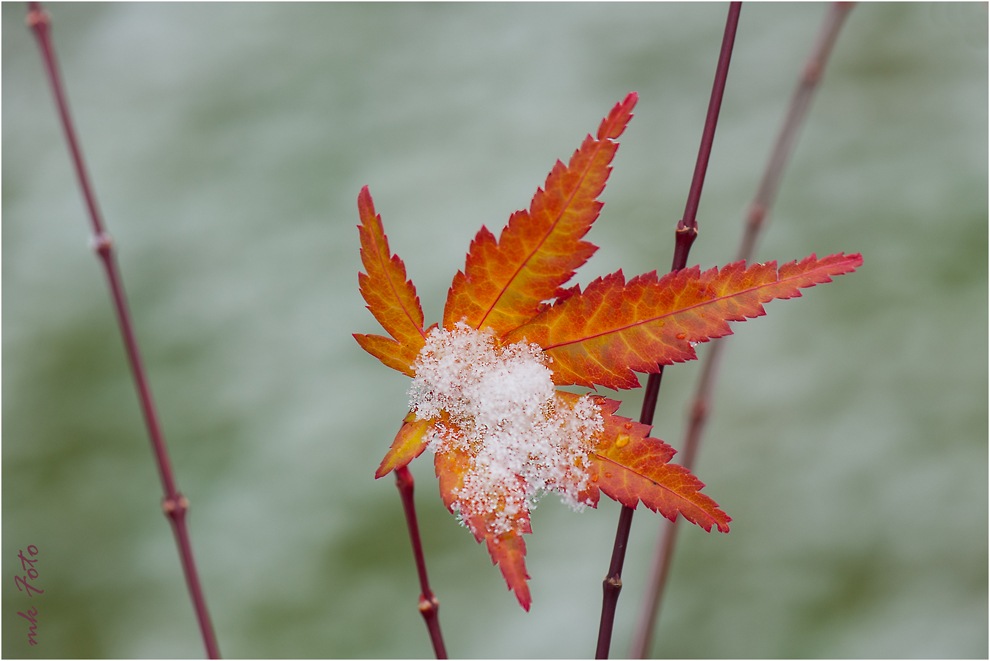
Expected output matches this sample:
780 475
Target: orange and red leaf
630 466
614 328
508 551
389 295
409 443
391 353
504 281
451 467
600 336
667 489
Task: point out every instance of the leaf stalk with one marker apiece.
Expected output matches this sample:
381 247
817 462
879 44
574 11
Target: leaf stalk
174 504
429 606
686 233
756 216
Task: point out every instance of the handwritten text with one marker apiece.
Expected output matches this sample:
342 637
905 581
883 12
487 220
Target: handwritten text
24 585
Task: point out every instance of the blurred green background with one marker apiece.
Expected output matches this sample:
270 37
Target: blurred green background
228 143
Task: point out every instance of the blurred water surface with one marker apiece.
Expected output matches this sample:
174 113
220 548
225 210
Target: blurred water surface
228 143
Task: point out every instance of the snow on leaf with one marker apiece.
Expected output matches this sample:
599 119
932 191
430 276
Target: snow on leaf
504 282
390 297
497 404
613 328
482 398
507 548
502 435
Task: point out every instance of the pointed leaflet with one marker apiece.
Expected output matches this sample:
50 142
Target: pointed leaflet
504 282
409 443
390 297
387 350
631 467
613 328
507 549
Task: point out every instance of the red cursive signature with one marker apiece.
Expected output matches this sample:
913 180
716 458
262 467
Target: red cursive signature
24 585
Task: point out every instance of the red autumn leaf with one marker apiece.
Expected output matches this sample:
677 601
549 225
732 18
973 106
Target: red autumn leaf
390 297
628 465
507 549
483 398
600 336
504 282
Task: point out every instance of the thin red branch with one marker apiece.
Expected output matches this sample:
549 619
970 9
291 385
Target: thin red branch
687 231
711 121
759 210
612 584
174 504
429 606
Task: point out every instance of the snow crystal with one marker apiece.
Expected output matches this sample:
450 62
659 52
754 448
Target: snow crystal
497 403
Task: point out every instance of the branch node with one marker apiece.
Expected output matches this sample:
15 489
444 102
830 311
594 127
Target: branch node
812 73
757 213
684 238
699 410
175 506
38 18
102 243
614 581
428 605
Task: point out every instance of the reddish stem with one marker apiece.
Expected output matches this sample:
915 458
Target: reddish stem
429 606
174 504
759 209
711 121
687 231
612 584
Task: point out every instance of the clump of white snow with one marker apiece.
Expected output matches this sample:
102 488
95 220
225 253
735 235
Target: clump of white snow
502 409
